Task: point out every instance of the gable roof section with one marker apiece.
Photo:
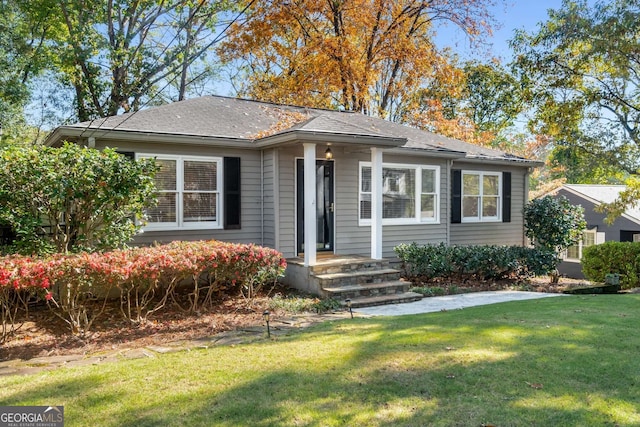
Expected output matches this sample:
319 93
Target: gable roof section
599 194
239 122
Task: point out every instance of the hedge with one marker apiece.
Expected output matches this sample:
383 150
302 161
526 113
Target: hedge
485 263
77 287
622 258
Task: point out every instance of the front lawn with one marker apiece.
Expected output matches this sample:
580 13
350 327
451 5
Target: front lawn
554 361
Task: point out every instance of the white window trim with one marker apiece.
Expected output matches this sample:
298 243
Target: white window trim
417 219
180 224
480 217
598 238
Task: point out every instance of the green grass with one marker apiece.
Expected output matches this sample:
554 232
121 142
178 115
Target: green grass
456 368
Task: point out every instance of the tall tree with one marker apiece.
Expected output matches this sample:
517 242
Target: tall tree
113 55
118 55
363 55
478 105
24 29
583 67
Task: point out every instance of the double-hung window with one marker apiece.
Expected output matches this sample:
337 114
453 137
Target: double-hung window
189 195
481 196
410 193
589 238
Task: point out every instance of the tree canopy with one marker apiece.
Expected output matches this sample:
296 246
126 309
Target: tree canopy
112 56
478 106
367 56
583 70
72 198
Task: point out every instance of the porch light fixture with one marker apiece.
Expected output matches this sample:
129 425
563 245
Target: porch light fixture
348 302
328 154
266 315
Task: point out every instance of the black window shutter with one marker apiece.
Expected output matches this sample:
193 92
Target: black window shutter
456 196
231 171
506 196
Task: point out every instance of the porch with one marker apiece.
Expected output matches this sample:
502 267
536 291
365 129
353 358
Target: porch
364 281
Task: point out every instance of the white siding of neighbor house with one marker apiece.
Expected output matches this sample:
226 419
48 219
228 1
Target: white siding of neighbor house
495 233
251 220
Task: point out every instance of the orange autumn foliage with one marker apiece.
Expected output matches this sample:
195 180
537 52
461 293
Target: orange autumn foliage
362 55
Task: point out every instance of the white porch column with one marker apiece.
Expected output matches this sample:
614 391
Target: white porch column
310 229
376 203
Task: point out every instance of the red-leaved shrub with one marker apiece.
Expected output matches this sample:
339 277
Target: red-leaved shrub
78 286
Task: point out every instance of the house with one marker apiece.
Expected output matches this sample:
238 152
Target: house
624 229
311 182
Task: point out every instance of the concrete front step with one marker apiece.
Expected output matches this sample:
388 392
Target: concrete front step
384 299
366 290
348 265
357 277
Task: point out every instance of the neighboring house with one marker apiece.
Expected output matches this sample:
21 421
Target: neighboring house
310 182
624 229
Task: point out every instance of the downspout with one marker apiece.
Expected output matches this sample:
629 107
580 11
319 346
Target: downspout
447 220
526 199
276 198
261 197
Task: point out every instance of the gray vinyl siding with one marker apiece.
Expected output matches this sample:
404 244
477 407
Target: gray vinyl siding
286 199
269 194
251 222
350 237
495 233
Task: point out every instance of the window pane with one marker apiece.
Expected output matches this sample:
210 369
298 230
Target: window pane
428 206
589 238
200 176
490 206
398 199
471 185
573 252
490 185
199 207
165 210
470 206
428 181
365 206
166 176
366 180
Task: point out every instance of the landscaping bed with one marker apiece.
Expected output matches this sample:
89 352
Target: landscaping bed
45 334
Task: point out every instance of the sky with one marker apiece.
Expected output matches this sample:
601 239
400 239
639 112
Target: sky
511 15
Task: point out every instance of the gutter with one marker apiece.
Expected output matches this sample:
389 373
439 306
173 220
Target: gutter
502 161
448 210
301 136
123 135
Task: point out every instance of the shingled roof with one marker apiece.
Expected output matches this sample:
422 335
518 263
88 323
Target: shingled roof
252 122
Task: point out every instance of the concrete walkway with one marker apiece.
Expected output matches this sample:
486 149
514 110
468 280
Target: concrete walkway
452 302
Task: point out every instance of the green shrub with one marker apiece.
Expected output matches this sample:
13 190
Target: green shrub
484 263
72 199
613 257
